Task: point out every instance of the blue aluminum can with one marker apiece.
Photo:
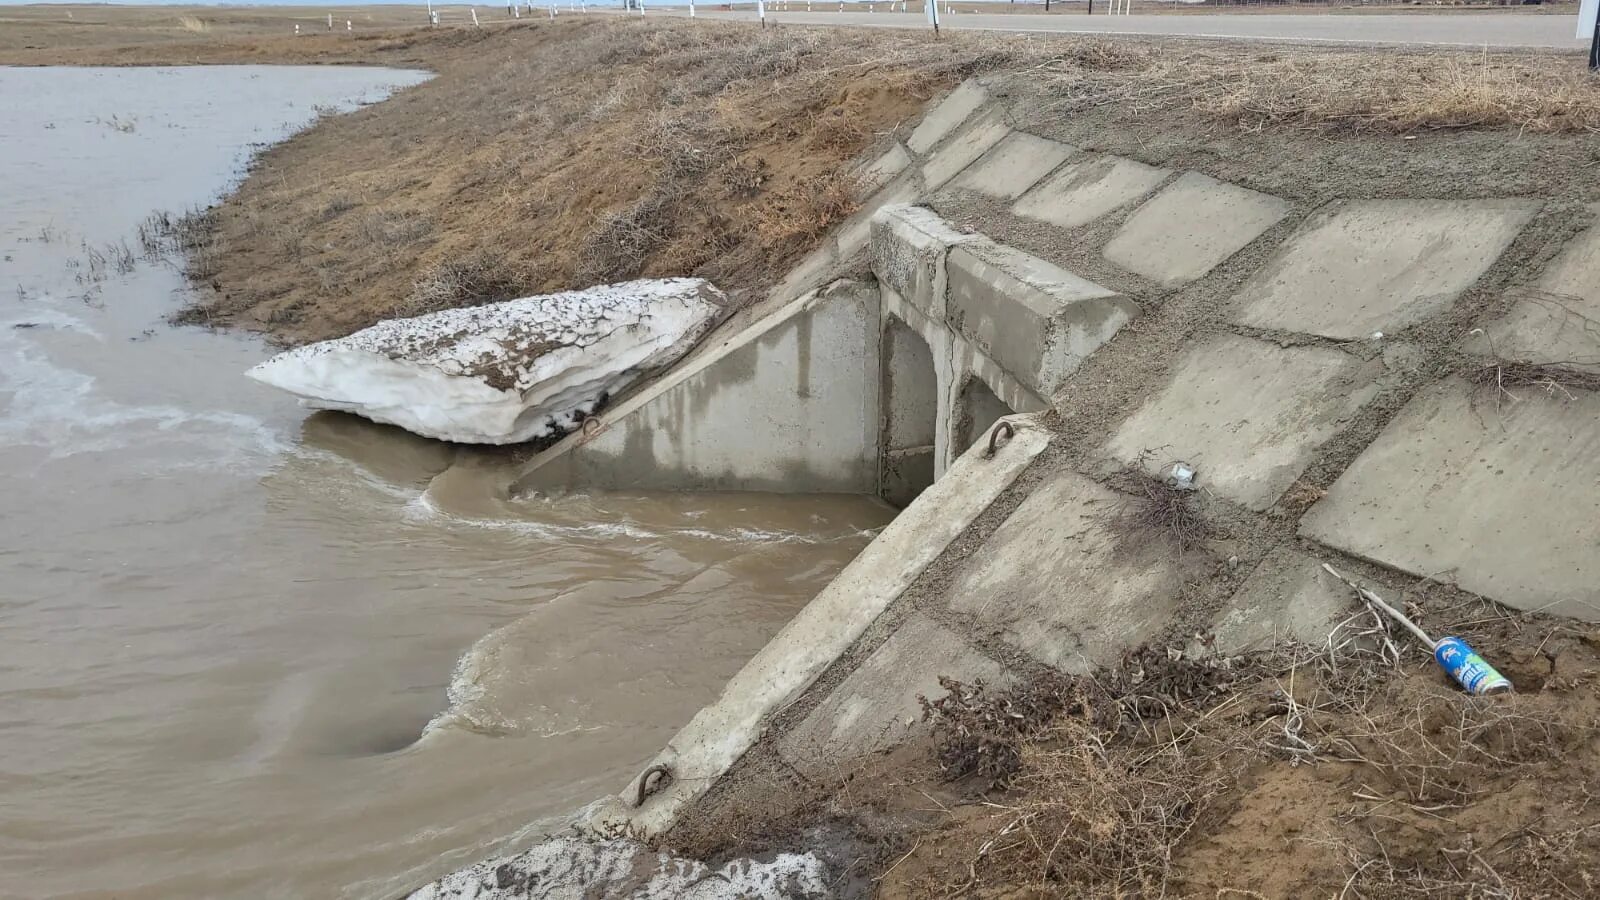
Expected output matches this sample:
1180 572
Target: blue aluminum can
1468 668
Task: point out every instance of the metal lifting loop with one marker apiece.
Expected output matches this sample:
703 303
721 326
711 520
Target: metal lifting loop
994 437
591 426
645 790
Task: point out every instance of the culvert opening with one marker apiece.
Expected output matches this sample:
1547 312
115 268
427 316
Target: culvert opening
910 404
980 409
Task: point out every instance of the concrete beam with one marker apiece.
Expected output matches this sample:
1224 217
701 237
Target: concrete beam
909 248
1035 319
963 150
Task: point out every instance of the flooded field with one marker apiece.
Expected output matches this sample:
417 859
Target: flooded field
248 653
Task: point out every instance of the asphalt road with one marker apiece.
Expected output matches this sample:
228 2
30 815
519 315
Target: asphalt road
1435 29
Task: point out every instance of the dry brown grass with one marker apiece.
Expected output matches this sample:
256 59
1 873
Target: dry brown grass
603 148
578 152
1396 92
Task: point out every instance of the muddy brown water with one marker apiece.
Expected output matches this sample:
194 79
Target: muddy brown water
245 652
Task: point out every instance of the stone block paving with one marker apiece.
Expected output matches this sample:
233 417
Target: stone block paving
876 706
963 150
943 119
1359 267
1057 581
882 170
1083 191
1499 494
1557 319
1289 597
1247 414
1036 319
1190 227
1014 165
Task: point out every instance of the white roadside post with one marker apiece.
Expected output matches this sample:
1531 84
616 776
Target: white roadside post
1589 27
330 21
349 26
691 9
933 14
297 28
475 18
761 11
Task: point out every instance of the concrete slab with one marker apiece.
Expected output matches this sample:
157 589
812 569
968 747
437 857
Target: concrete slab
1558 319
878 173
1197 222
963 150
1506 502
909 247
1054 582
723 731
1088 189
1361 266
1289 597
1036 319
876 707
944 118
1014 165
1247 414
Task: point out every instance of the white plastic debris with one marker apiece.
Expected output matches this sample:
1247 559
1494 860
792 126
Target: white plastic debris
575 869
505 372
1181 476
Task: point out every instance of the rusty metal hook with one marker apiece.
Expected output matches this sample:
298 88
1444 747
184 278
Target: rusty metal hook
994 437
589 432
645 790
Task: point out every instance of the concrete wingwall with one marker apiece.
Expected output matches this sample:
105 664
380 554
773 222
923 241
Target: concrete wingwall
789 404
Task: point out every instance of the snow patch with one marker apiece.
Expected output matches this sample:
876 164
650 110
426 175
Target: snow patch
574 869
505 372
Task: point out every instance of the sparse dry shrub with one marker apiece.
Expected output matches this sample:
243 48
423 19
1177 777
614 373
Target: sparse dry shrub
473 280
1104 788
1442 749
1498 379
622 240
1159 513
393 229
805 211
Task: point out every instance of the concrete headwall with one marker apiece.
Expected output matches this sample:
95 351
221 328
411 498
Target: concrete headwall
790 404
